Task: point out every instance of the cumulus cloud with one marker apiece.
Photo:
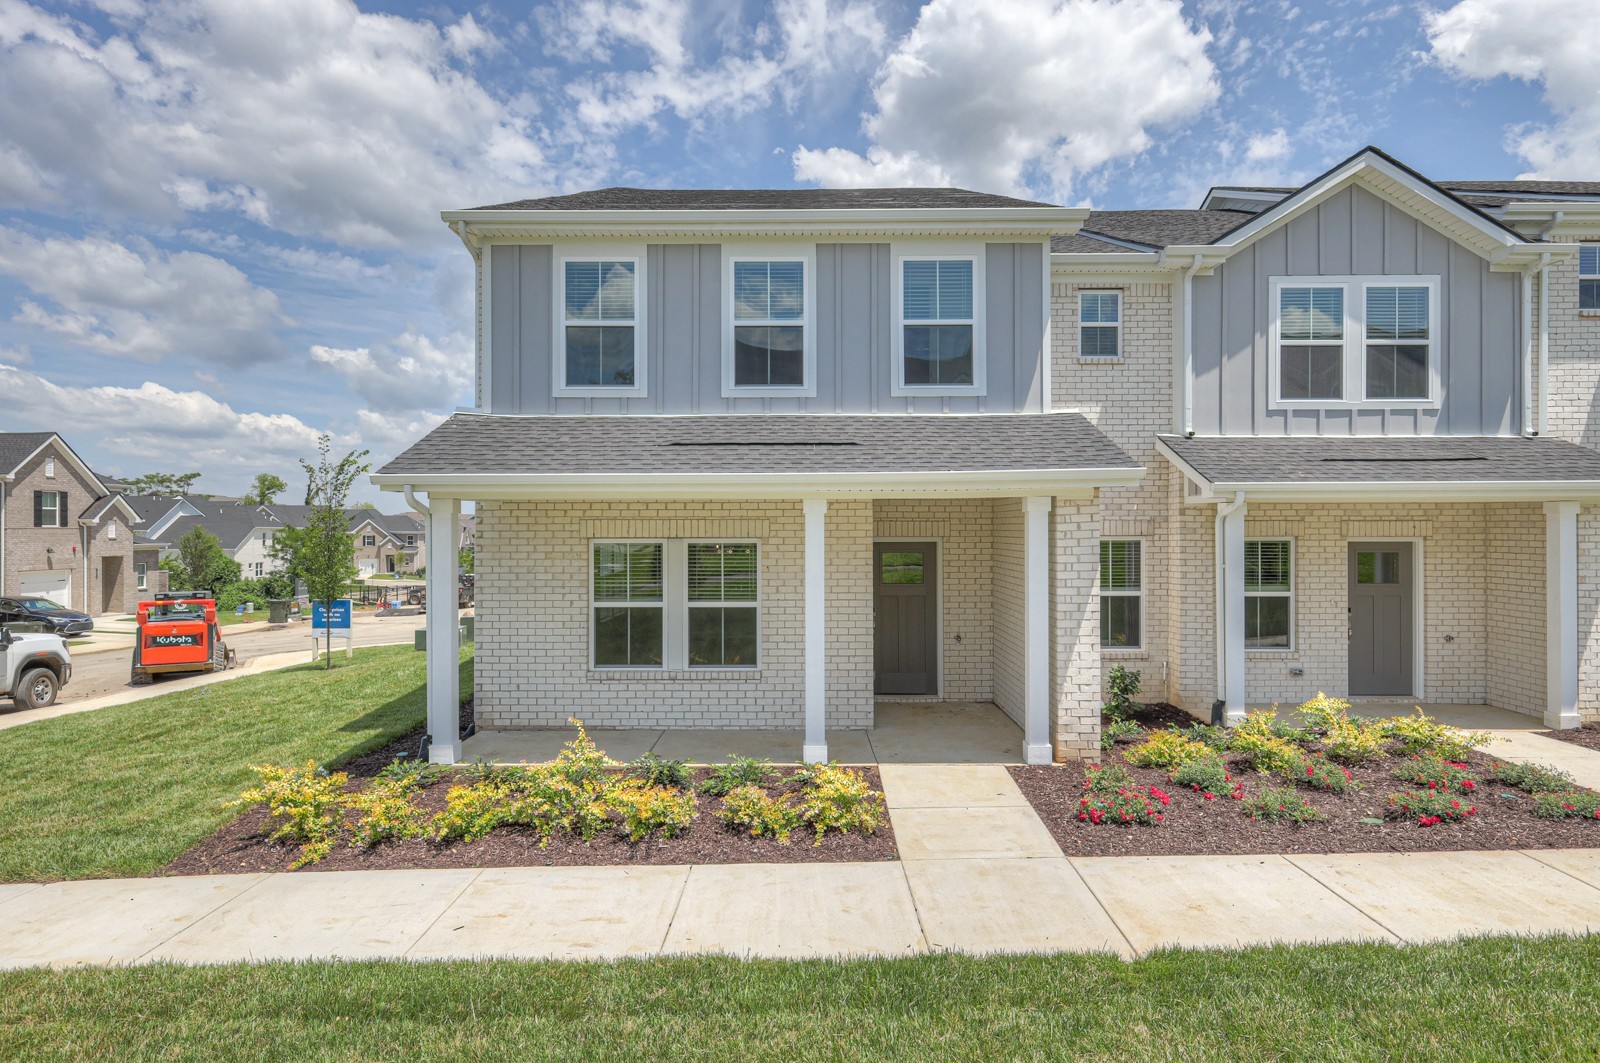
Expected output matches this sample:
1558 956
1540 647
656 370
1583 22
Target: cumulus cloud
1267 147
306 115
140 302
1005 95
407 374
1548 42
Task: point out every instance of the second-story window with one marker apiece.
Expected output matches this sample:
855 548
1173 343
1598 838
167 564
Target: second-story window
1589 277
1311 343
1355 341
769 338
1397 341
600 325
1099 324
940 340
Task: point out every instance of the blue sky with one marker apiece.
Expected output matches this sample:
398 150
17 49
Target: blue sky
219 227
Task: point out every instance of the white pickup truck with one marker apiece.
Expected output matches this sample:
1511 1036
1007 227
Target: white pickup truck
33 667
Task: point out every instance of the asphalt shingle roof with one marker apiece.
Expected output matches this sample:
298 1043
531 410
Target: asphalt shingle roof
467 444
1386 459
766 199
1162 228
17 447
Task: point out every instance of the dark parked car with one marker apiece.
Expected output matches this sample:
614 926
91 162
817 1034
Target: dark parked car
56 619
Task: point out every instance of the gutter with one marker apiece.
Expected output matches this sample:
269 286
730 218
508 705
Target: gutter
411 500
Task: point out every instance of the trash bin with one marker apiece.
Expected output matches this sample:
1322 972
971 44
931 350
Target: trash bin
277 610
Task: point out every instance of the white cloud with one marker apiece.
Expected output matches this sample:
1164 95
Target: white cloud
407 374
995 95
307 115
1549 42
1267 147
142 303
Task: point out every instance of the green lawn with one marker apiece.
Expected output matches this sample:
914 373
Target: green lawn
124 790
1493 998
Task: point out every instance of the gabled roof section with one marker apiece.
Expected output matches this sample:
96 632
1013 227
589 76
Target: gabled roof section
1148 230
99 510
18 448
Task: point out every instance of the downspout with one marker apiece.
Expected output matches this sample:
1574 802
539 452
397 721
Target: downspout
83 536
1188 344
1544 341
1224 510
2 536
411 500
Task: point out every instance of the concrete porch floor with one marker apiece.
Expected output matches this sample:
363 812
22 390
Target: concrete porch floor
904 733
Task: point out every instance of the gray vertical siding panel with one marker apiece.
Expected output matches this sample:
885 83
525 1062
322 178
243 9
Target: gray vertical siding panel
705 379
1029 302
1241 388
1001 342
504 355
535 336
1207 349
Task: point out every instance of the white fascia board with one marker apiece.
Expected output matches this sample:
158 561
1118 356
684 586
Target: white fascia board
1110 262
1423 491
562 224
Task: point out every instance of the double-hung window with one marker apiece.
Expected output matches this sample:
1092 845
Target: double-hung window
1589 277
1099 324
49 509
141 576
769 341
675 604
1269 594
1121 594
940 327
601 331
1355 341
369 540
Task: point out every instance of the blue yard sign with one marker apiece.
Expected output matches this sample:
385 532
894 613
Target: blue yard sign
339 620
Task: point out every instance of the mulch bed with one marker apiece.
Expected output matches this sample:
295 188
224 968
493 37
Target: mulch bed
1587 736
1194 826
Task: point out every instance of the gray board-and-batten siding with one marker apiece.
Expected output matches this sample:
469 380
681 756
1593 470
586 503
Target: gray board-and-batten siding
1355 233
683 321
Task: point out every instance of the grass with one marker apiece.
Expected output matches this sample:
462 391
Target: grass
1488 998
124 790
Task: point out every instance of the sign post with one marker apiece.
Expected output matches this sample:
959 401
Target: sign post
332 621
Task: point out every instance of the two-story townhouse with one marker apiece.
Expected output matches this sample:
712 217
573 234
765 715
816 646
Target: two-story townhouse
63 535
761 459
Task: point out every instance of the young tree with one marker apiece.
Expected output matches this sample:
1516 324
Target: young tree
322 555
206 566
264 490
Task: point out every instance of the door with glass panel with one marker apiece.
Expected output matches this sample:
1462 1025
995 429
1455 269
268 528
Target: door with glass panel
1382 599
906 611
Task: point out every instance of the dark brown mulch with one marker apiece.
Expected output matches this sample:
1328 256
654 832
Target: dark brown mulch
241 845
407 746
1587 736
1193 825
1156 715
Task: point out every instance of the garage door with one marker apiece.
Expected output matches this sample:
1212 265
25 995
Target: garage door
55 585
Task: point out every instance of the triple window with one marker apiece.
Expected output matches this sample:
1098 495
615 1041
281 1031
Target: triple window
1589 277
600 327
1121 594
1352 341
1269 594
940 341
674 604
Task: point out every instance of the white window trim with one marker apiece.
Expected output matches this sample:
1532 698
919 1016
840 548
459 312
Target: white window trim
141 576
806 256
897 373
1582 276
558 317
1139 594
1100 324
56 509
1294 575
1354 342
675 606
369 540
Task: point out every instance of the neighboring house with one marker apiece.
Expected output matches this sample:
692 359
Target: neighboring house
760 459
63 534
384 542
387 543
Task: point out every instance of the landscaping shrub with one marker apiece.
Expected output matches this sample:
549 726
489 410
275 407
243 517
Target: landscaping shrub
840 799
1567 804
1209 776
1421 733
385 811
644 809
552 800
1267 752
740 771
1219 739
657 772
1437 774
1122 684
1167 749
752 809
305 805
1430 807
1320 774
1279 804
1107 779
580 760
1349 741
1128 806
472 811
1119 731
1533 778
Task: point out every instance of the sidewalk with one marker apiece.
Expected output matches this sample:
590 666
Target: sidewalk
979 873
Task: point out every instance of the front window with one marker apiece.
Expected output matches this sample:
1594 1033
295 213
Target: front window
411 540
722 604
1398 340
1121 594
1268 594
600 323
1099 324
1355 341
939 327
1311 343
629 599
769 324
1589 277
49 509
675 604
141 576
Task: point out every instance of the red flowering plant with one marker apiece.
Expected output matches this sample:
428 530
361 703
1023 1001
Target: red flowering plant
1320 773
1567 804
1278 804
1437 774
1110 796
1429 807
1207 776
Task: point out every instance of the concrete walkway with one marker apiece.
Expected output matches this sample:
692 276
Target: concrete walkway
979 873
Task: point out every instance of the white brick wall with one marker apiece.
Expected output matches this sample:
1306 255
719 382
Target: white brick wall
1075 682
1009 599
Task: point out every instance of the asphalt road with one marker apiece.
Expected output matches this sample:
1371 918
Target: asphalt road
97 674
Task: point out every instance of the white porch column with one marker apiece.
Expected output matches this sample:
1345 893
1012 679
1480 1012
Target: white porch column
1230 533
1036 748
816 741
444 632
1561 614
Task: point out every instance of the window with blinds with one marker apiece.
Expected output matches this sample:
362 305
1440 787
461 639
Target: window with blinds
1099 324
1311 343
769 333
600 322
722 604
629 602
938 323
675 604
1398 338
1589 277
1121 594
1268 594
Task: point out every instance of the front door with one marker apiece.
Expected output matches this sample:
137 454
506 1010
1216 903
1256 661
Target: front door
906 610
1382 597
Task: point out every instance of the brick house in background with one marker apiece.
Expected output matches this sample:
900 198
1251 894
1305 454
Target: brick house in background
63 535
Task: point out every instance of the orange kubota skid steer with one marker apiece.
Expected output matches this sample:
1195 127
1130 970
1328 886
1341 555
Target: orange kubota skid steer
178 633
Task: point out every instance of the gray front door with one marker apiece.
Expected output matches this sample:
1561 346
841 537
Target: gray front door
1382 597
905 601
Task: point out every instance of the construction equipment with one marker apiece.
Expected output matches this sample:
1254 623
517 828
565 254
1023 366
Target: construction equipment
177 632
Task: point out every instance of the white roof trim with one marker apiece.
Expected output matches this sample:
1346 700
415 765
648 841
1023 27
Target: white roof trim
480 225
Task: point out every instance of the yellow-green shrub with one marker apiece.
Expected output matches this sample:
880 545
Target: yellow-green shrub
305 805
752 809
1254 738
1167 749
644 809
384 811
839 799
472 811
1418 732
1350 741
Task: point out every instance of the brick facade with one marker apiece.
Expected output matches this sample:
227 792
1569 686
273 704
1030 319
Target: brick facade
109 584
